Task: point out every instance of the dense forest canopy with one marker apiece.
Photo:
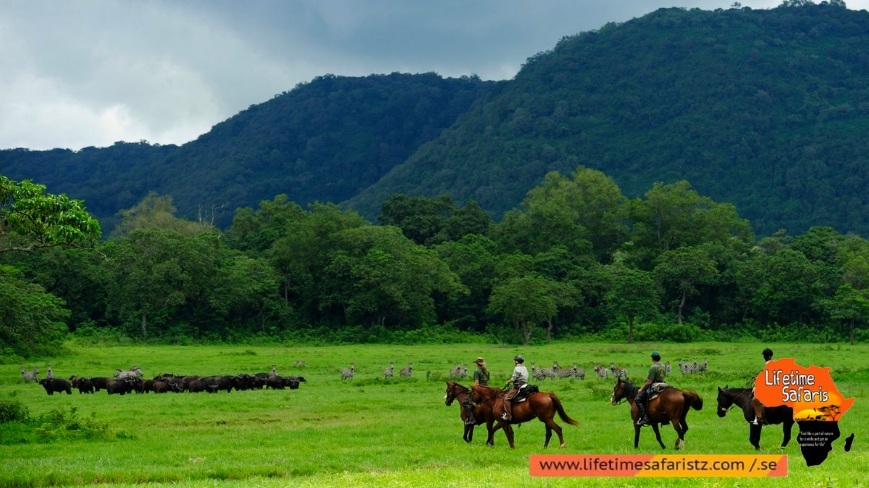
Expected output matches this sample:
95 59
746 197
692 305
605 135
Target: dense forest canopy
577 259
764 109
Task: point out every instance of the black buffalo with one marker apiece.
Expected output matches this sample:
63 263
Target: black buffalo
122 386
213 384
52 385
100 383
84 385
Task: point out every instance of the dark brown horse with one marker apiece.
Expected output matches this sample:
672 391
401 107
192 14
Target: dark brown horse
742 397
458 392
540 405
670 406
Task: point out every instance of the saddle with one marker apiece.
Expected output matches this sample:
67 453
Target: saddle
524 393
656 390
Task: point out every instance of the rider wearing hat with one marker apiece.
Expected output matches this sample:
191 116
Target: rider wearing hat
657 373
758 407
519 380
481 377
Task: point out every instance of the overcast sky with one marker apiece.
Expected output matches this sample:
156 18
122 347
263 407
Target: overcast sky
78 73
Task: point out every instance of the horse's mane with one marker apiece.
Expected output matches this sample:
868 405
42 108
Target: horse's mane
630 389
463 387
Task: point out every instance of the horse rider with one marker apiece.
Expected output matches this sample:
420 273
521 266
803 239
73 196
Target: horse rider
758 407
657 373
519 381
481 377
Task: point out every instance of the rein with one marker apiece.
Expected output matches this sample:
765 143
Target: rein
629 392
736 397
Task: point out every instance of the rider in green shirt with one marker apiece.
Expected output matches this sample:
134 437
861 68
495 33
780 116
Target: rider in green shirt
657 373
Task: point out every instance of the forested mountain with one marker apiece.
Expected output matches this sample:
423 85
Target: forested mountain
323 141
767 109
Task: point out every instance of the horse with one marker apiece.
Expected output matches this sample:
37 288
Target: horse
458 392
671 405
540 405
742 397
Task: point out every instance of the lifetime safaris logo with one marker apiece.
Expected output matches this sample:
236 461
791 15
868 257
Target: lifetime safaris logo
818 405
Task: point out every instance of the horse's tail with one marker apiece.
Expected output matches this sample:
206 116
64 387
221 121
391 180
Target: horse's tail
560 409
693 399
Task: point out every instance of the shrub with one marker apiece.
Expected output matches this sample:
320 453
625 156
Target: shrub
13 411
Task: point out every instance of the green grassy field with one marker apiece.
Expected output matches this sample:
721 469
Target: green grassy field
376 432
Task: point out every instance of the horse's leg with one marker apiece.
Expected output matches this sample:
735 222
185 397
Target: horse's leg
754 435
658 434
469 433
787 424
550 426
636 435
508 431
491 439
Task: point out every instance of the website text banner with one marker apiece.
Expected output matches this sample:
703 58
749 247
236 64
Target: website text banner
660 465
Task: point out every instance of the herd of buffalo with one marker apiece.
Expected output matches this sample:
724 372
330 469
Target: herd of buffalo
129 381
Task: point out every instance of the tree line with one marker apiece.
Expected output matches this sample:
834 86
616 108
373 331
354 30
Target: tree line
576 259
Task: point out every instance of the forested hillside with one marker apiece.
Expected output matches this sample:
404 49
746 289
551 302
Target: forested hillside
766 109
323 141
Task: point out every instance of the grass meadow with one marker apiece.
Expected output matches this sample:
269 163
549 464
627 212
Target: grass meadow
369 431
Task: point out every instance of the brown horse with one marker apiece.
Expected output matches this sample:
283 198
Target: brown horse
458 392
540 405
670 406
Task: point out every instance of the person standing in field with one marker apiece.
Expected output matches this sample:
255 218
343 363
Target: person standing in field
657 374
481 377
758 407
519 381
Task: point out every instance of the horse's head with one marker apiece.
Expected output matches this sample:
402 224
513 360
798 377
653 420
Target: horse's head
725 401
481 393
453 391
618 392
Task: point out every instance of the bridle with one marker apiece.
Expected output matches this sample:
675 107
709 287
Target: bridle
734 401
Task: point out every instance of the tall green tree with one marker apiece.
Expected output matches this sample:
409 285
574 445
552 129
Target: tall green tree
686 269
31 320
850 307
30 218
674 216
586 214
155 271
380 276
632 293
524 301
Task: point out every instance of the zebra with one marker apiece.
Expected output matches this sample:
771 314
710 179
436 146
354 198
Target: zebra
668 367
457 371
568 372
618 372
300 363
29 376
274 371
552 372
704 366
133 373
347 373
387 373
601 372
579 372
405 372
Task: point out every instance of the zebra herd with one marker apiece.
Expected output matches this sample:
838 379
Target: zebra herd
693 367
388 373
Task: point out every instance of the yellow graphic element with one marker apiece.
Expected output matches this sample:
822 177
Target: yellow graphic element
809 391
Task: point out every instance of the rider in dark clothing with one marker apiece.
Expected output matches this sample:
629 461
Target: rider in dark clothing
657 373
